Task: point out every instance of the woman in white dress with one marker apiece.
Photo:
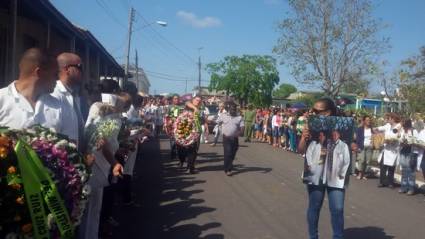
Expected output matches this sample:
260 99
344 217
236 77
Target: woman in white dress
389 155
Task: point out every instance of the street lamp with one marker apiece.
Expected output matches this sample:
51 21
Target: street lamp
161 23
384 99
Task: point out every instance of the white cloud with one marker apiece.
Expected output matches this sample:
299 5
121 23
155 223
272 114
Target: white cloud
197 22
272 2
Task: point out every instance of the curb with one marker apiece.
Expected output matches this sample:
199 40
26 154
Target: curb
397 176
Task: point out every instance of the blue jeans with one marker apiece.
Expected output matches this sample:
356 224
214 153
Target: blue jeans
336 197
408 179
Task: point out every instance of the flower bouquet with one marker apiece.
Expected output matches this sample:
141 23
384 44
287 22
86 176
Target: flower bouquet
43 182
392 140
185 131
168 125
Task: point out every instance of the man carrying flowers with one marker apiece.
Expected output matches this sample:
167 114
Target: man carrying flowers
187 133
174 111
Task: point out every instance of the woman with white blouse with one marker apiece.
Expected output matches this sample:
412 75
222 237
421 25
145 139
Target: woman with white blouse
390 154
327 162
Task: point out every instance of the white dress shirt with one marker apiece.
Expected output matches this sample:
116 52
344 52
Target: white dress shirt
418 150
313 160
16 111
340 163
390 153
66 98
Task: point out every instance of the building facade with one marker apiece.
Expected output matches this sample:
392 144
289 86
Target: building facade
37 23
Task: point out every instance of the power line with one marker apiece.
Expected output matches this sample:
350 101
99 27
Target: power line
108 12
165 74
166 40
171 78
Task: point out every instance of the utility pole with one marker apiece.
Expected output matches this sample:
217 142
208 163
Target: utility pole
185 89
127 59
137 73
199 70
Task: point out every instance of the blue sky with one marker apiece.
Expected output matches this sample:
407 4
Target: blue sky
221 28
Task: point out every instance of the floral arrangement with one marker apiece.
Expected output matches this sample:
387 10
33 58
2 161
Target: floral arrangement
185 131
41 161
104 128
168 125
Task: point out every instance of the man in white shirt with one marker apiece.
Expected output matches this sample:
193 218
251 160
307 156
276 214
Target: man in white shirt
67 91
26 101
232 125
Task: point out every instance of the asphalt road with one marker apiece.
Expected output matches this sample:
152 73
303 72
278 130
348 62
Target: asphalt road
264 199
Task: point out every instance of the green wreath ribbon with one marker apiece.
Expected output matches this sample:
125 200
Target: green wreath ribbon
39 187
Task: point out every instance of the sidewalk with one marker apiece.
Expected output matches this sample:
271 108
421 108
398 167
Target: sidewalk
397 176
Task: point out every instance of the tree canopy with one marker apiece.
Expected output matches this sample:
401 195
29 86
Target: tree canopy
284 90
248 78
412 82
326 42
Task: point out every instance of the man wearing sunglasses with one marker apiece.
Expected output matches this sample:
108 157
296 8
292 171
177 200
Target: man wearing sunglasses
68 90
27 101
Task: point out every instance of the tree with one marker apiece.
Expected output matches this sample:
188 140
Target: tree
249 78
324 42
412 82
310 99
356 85
284 90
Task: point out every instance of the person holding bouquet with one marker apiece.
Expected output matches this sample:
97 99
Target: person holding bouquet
190 152
101 132
389 155
174 111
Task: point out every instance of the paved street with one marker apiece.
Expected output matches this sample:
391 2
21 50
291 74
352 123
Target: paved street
263 199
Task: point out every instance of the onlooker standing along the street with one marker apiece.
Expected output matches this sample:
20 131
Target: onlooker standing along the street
27 101
68 91
364 146
249 118
389 155
332 180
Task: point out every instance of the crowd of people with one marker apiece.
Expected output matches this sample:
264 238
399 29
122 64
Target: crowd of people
106 125
389 143
50 92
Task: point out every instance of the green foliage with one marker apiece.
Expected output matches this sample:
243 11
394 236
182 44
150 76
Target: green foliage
249 78
284 90
325 43
309 99
412 82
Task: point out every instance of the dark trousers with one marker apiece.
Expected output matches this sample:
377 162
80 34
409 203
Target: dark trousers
173 147
230 146
386 176
190 153
125 188
109 193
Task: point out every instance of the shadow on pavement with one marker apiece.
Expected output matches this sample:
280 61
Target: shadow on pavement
366 233
237 169
166 200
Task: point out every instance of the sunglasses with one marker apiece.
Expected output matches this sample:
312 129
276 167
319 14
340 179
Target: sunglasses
78 66
316 111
